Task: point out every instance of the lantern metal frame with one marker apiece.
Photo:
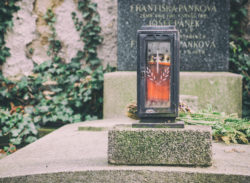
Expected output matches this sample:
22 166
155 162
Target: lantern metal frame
158 34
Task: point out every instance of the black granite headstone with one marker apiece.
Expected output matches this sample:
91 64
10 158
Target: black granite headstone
203 26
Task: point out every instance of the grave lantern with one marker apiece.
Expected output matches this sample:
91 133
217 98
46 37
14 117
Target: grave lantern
158 73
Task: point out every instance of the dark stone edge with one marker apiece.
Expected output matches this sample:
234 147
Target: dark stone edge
128 176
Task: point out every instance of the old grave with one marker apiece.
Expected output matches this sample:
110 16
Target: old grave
85 157
159 138
204 44
203 27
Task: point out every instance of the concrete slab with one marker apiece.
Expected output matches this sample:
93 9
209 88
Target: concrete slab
189 146
70 155
221 90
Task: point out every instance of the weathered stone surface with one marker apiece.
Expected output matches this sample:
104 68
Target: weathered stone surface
64 26
191 146
107 51
128 176
22 33
66 31
28 40
220 90
203 27
119 91
68 155
40 43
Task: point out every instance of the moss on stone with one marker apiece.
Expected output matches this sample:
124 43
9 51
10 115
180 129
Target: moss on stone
90 128
44 131
161 146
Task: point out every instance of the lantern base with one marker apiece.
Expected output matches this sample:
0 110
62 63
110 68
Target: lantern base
158 119
178 124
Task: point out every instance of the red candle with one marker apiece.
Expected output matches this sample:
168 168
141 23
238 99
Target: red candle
158 89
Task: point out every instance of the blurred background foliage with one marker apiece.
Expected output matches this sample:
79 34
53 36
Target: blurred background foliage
240 48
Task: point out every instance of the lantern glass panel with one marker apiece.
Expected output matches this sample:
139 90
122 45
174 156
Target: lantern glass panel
158 69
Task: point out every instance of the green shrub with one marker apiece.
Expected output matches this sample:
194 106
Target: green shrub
18 127
56 92
7 8
239 49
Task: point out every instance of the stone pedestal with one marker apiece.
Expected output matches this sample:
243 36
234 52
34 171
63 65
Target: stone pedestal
190 146
221 90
